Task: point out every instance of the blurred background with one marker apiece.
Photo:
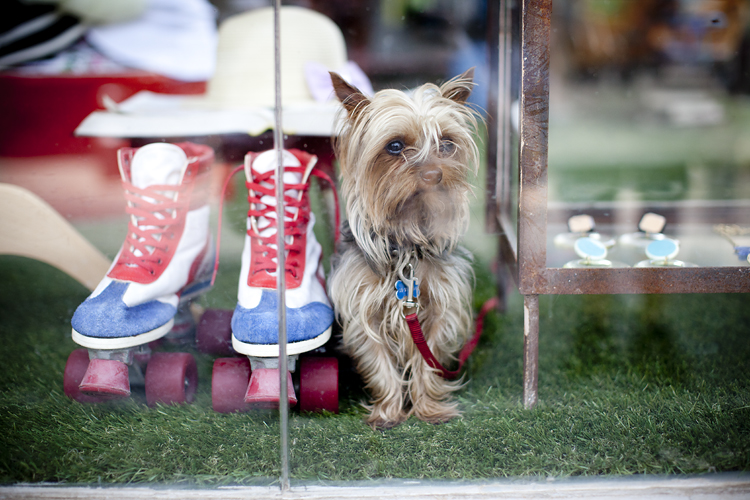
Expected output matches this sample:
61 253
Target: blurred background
649 111
649 98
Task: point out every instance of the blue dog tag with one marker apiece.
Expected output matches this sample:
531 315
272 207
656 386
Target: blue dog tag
402 290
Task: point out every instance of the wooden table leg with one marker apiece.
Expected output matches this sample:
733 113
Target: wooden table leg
530 349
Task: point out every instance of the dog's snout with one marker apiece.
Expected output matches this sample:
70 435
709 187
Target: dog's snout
431 175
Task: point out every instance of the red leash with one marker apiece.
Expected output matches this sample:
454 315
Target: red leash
416 334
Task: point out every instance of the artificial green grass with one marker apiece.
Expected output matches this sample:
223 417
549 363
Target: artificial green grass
627 385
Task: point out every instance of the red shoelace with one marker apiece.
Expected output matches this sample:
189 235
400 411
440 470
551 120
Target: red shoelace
155 221
295 224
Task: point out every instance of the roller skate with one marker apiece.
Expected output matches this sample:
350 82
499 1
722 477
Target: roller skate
166 261
253 381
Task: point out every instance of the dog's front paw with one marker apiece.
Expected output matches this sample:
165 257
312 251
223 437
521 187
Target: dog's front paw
386 415
381 424
436 412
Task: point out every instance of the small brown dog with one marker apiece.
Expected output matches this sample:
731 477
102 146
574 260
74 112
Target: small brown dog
404 164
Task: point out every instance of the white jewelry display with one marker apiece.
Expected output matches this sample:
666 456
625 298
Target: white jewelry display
738 236
593 253
581 226
662 253
650 229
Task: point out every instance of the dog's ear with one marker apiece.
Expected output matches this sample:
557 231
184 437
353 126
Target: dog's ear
351 97
459 88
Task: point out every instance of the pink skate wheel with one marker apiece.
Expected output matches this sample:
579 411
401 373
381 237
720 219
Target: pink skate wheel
106 379
229 383
171 378
263 391
319 384
213 335
75 369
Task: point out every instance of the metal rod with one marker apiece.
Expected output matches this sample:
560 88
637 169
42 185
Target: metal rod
554 281
534 124
494 114
278 139
530 350
504 185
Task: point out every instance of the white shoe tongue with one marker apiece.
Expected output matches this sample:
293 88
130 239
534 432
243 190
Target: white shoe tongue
158 163
266 161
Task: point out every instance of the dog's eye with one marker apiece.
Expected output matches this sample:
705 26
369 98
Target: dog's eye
394 147
447 147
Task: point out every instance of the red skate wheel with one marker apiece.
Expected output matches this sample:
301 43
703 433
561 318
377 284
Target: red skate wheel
75 369
171 378
319 384
229 384
213 335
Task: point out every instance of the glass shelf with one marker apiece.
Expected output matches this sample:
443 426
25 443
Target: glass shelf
698 243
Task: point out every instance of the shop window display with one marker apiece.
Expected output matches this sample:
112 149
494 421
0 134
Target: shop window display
661 83
612 167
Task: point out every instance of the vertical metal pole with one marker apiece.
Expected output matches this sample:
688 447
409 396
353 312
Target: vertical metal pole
530 349
501 183
278 139
532 189
494 113
534 126
504 185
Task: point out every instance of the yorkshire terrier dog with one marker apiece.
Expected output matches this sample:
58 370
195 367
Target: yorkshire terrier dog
404 163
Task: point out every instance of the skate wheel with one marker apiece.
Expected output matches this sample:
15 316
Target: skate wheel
75 369
229 383
171 378
319 384
213 334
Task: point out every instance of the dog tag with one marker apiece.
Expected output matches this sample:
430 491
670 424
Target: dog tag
402 290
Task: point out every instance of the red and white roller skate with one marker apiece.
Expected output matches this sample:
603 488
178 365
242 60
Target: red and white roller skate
242 383
166 260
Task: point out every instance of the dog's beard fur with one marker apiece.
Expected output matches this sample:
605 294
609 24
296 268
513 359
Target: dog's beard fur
412 203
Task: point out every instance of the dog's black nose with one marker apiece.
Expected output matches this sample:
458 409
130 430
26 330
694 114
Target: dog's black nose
431 175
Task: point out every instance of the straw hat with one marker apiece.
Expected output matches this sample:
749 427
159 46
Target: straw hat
240 97
244 74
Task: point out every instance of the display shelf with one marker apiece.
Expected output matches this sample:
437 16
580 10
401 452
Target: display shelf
520 210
